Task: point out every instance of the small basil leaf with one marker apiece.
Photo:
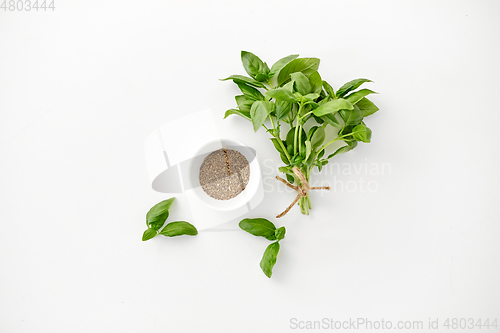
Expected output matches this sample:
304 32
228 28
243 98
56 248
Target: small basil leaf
289 137
328 89
179 228
148 234
259 227
240 113
316 82
244 79
252 64
277 146
318 137
158 214
259 112
250 92
280 63
269 258
341 150
301 83
280 233
358 95
283 108
310 97
304 65
244 104
362 133
367 107
351 85
352 117
281 94
331 119
290 179
332 106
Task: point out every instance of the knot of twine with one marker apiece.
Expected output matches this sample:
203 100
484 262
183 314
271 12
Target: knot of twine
301 189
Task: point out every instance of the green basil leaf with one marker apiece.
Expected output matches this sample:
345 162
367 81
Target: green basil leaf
367 107
258 114
341 150
269 258
283 108
301 83
259 227
358 95
244 104
362 133
244 79
290 179
328 89
318 137
331 119
281 63
311 97
250 92
243 114
277 146
316 82
280 233
304 65
289 137
179 228
332 106
148 234
351 85
352 117
252 64
281 94
158 214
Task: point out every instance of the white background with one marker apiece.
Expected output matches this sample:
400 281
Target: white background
82 86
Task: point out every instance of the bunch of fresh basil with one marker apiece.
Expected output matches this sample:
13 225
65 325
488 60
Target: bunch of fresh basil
292 93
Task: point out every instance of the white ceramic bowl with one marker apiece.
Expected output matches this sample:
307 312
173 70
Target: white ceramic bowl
241 199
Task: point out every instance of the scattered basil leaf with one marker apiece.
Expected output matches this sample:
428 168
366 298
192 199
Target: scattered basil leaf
259 227
148 234
269 258
158 214
280 233
179 228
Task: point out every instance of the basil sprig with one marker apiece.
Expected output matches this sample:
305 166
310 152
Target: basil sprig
155 220
265 228
290 94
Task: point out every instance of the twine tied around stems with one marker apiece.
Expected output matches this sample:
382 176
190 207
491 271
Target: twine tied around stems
301 189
